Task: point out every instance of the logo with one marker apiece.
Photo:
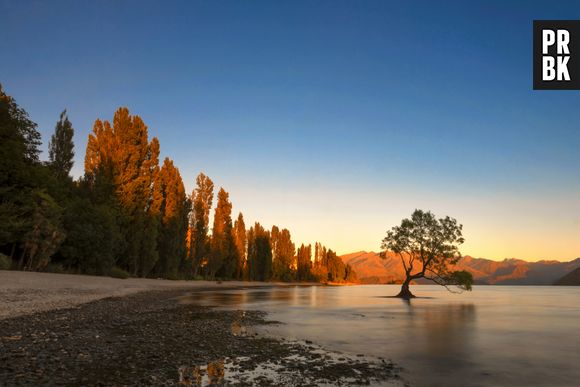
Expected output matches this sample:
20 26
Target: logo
556 54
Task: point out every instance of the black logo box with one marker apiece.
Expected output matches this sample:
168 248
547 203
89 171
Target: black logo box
573 27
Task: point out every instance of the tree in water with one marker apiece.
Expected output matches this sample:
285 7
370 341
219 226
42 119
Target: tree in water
428 248
61 147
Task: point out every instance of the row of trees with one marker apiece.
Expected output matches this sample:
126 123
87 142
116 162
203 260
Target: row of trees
128 213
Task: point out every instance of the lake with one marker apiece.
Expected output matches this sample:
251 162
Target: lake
494 335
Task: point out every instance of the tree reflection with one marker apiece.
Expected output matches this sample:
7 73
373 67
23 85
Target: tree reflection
196 375
443 334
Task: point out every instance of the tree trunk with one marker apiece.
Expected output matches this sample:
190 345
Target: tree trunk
405 292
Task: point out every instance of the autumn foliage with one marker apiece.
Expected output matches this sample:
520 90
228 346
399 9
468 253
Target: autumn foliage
130 216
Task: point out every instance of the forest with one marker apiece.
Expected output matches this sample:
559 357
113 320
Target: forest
129 214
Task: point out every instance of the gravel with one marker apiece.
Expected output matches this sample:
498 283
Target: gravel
151 338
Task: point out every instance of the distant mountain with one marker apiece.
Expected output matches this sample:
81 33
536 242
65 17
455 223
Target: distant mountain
572 278
372 269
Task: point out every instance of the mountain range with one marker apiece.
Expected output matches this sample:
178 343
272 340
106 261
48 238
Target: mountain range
372 269
572 278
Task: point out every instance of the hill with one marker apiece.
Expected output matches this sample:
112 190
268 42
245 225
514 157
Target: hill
570 279
372 269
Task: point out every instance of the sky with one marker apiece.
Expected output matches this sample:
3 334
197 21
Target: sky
334 119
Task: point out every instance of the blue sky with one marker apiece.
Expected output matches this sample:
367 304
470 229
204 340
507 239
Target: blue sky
332 118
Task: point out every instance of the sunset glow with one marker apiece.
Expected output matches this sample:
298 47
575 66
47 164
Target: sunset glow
335 133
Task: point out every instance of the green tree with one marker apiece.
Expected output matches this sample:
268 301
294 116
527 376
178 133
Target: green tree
135 167
93 239
283 254
350 275
20 175
319 266
428 248
61 147
336 270
171 205
259 254
240 240
201 201
304 263
120 157
46 234
30 217
222 259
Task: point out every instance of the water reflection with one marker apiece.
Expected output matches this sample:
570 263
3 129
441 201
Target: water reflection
440 337
472 339
229 298
238 328
215 372
449 326
211 374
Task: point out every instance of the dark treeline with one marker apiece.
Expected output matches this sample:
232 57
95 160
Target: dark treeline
129 214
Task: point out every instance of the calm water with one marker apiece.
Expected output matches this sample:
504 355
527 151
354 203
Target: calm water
495 335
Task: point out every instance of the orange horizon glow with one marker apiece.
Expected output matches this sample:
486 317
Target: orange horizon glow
497 227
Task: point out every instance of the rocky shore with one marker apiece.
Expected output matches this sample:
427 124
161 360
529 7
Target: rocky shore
150 338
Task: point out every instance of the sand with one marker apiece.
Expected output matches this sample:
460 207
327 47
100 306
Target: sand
23 293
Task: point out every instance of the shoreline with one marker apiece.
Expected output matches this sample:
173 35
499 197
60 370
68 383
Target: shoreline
150 338
26 293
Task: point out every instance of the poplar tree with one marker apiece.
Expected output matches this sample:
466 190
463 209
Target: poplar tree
259 254
250 267
128 211
319 269
240 243
283 254
102 146
274 234
121 158
329 267
170 204
304 263
201 202
93 236
61 147
222 259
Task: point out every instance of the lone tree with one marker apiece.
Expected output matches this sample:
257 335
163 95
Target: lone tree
428 248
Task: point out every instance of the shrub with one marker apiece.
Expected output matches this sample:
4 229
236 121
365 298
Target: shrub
117 272
55 268
5 262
